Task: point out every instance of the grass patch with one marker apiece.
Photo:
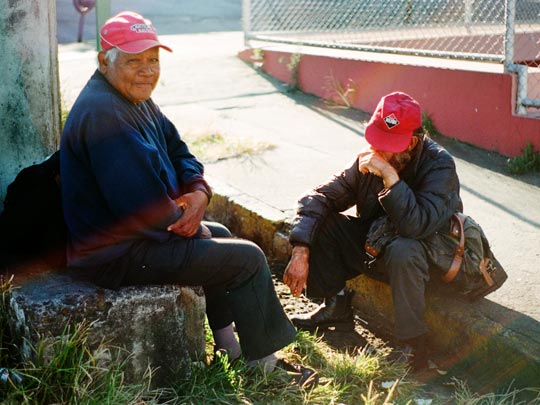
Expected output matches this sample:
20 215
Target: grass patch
65 371
463 396
344 379
210 145
528 161
5 294
429 126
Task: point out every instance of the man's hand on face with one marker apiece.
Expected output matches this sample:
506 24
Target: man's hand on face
377 163
296 273
194 205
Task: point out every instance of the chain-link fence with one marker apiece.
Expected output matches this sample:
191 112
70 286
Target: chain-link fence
496 31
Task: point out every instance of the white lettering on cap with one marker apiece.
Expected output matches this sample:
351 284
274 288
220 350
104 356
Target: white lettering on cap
391 121
141 28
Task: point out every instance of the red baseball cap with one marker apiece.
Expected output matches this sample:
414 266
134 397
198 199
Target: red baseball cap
391 126
130 32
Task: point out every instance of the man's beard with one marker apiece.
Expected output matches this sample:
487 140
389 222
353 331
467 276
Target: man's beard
400 160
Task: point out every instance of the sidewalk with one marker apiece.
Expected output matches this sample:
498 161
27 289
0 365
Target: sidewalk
205 85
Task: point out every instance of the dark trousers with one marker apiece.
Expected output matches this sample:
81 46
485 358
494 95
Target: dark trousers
234 274
338 255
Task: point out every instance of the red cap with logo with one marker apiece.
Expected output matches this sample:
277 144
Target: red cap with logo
130 32
391 126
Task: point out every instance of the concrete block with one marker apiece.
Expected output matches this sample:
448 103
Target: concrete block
161 326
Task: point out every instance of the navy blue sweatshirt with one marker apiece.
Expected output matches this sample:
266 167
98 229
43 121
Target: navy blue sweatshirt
122 166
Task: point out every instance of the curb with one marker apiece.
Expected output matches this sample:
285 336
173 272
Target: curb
250 218
495 347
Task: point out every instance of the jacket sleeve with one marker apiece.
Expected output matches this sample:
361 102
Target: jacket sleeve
336 195
418 213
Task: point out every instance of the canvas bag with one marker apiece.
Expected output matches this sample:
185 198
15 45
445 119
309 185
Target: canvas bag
464 257
460 253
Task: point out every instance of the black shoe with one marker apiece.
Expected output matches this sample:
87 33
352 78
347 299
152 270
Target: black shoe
335 312
304 377
412 352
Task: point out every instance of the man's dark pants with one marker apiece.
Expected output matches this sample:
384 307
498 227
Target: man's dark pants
234 274
338 255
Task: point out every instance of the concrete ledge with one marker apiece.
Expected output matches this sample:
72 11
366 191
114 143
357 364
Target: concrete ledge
482 339
249 218
157 326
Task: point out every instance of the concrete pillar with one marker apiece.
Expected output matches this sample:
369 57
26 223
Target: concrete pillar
29 90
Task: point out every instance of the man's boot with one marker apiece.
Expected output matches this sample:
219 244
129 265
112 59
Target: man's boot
413 352
334 312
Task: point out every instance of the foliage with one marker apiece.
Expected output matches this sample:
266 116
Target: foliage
5 293
66 372
344 378
293 66
429 126
528 161
338 94
463 396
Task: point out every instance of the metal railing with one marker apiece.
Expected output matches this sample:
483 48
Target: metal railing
496 31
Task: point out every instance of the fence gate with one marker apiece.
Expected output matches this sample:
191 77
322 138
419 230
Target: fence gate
493 31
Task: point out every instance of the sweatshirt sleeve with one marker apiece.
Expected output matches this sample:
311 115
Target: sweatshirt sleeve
189 170
128 172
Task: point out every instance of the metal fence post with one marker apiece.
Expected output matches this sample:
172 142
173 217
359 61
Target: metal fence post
510 20
103 12
509 42
246 20
468 13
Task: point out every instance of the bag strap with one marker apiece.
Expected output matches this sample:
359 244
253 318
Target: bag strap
460 249
484 263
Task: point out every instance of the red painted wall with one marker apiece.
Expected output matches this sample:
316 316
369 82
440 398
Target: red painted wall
474 107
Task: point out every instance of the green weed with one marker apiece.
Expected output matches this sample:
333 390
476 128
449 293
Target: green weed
528 161
338 94
293 65
64 371
5 294
463 396
429 127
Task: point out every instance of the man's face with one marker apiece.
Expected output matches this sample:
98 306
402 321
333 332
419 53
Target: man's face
135 76
399 160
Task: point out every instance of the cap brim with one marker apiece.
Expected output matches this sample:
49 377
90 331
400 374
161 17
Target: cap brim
387 141
141 46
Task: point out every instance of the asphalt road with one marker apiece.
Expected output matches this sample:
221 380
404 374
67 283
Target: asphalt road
170 16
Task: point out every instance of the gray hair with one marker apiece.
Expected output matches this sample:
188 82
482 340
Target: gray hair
112 54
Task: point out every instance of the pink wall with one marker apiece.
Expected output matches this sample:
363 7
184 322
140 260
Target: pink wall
474 107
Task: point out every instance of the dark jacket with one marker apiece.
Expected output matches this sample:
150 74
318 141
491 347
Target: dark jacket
420 203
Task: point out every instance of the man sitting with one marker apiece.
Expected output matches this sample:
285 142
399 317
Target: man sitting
403 175
134 198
